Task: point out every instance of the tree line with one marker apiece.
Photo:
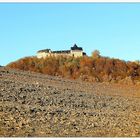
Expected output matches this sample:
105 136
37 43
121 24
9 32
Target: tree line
95 68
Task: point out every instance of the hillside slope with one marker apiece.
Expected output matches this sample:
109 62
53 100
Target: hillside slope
91 69
33 104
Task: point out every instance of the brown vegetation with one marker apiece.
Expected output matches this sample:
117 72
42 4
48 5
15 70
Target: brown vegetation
93 69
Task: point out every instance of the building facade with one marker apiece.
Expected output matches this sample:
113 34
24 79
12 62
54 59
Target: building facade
75 52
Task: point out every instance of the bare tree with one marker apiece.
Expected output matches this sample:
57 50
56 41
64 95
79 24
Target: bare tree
96 54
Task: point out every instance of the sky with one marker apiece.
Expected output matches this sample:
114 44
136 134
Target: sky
111 28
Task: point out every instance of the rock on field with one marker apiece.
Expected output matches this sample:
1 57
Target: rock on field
34 104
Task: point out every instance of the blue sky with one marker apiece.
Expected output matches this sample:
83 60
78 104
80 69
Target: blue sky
111 28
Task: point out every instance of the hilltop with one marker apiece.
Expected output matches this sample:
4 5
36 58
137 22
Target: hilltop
92 69
34 104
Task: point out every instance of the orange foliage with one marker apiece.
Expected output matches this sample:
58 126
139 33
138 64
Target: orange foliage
100 69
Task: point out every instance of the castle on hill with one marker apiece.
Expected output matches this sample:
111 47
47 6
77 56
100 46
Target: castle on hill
75 52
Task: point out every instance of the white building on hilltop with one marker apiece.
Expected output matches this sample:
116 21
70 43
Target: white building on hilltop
75 52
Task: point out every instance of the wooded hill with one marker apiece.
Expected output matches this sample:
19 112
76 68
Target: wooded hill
93 69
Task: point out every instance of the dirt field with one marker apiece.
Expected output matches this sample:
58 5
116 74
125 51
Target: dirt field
38 105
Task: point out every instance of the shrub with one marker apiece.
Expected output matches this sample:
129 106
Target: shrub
101 68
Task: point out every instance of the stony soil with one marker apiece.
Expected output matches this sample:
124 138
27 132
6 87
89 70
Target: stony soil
34 104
